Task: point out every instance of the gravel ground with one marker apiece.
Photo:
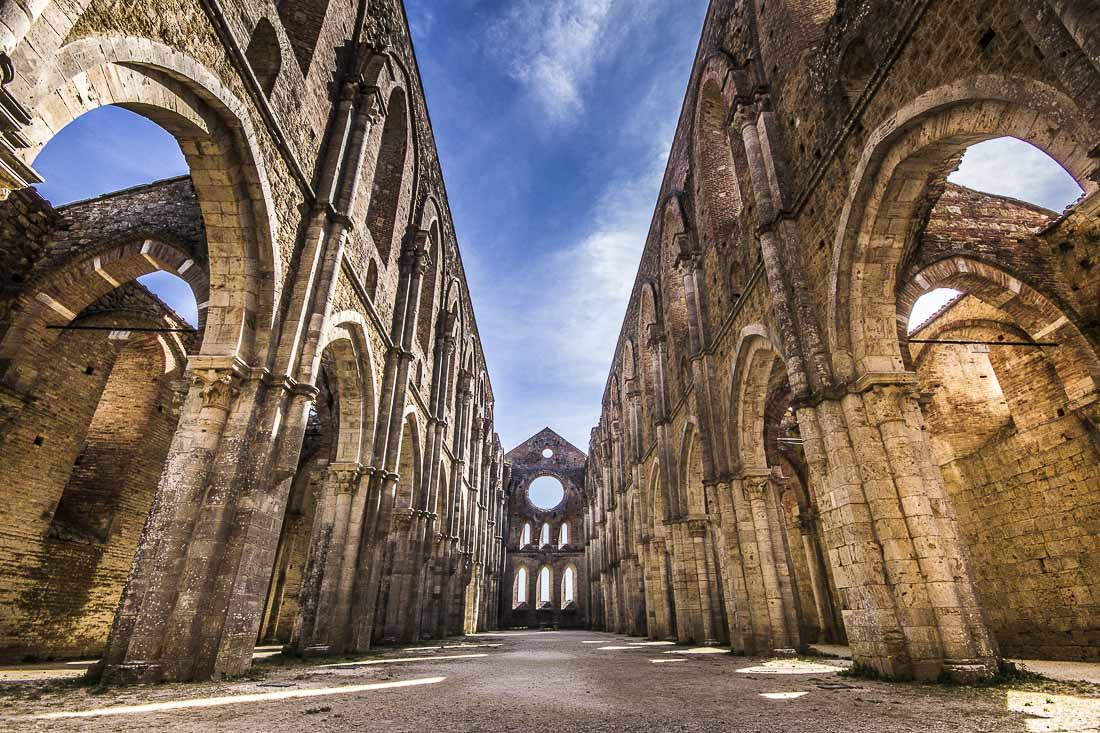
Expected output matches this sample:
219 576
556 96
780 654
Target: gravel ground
554 681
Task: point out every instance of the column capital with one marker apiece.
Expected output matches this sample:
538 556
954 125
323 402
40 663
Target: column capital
345 476
218 386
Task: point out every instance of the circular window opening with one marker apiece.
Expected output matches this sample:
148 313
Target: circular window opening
547 453
545 492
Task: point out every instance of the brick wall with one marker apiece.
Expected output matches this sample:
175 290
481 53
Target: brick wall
1022 473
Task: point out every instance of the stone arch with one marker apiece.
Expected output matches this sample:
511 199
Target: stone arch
409 463
896 164
304 20
264 55
218 141
673 298
56 297
755 361
432 287
1040 318
349 348
393 174
689 493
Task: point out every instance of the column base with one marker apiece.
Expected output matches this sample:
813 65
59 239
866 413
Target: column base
131 673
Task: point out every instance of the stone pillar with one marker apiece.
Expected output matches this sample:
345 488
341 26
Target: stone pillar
321 625
807 526
910 609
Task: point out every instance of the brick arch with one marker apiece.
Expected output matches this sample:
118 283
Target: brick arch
218 141
714 170
673 298
55 299
878 220
1038 317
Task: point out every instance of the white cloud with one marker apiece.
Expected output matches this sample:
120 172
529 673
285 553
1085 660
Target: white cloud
552 47
1010 167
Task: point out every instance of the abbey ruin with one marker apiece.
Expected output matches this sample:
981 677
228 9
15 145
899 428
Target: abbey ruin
779 462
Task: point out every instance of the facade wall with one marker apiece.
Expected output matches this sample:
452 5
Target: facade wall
1022 480
528 462
841 124
302 130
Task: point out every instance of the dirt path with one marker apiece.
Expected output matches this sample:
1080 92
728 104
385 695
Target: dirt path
553 681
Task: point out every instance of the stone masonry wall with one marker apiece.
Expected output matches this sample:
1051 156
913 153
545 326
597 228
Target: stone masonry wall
1022 475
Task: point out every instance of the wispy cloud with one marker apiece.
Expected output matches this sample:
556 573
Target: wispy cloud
553 47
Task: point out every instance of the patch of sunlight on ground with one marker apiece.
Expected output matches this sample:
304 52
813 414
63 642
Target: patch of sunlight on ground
654 643
614 648
783 695
209 702
790 666
597 641
666 661
448 646
700 650
1055 713
369 662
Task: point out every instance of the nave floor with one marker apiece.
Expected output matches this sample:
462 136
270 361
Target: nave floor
550 681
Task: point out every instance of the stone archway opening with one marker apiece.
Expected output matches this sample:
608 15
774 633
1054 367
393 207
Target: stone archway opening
98 383
1008 397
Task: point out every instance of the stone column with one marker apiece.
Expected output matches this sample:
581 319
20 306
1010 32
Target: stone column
807 526
910 609
320 625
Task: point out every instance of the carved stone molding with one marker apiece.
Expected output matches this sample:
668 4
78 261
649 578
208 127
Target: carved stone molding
345 476
217 386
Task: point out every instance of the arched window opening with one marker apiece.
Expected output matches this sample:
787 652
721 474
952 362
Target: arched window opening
564 538
430 294
520 595
857 66
526 541
568 588
544 536
264 55
545 588
303 21
389 175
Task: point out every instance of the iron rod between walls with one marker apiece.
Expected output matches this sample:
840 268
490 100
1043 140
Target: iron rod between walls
983 343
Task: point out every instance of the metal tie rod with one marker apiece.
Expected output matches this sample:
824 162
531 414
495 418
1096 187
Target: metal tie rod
961 342
133 329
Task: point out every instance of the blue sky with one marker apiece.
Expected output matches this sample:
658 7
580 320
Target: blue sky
553 120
